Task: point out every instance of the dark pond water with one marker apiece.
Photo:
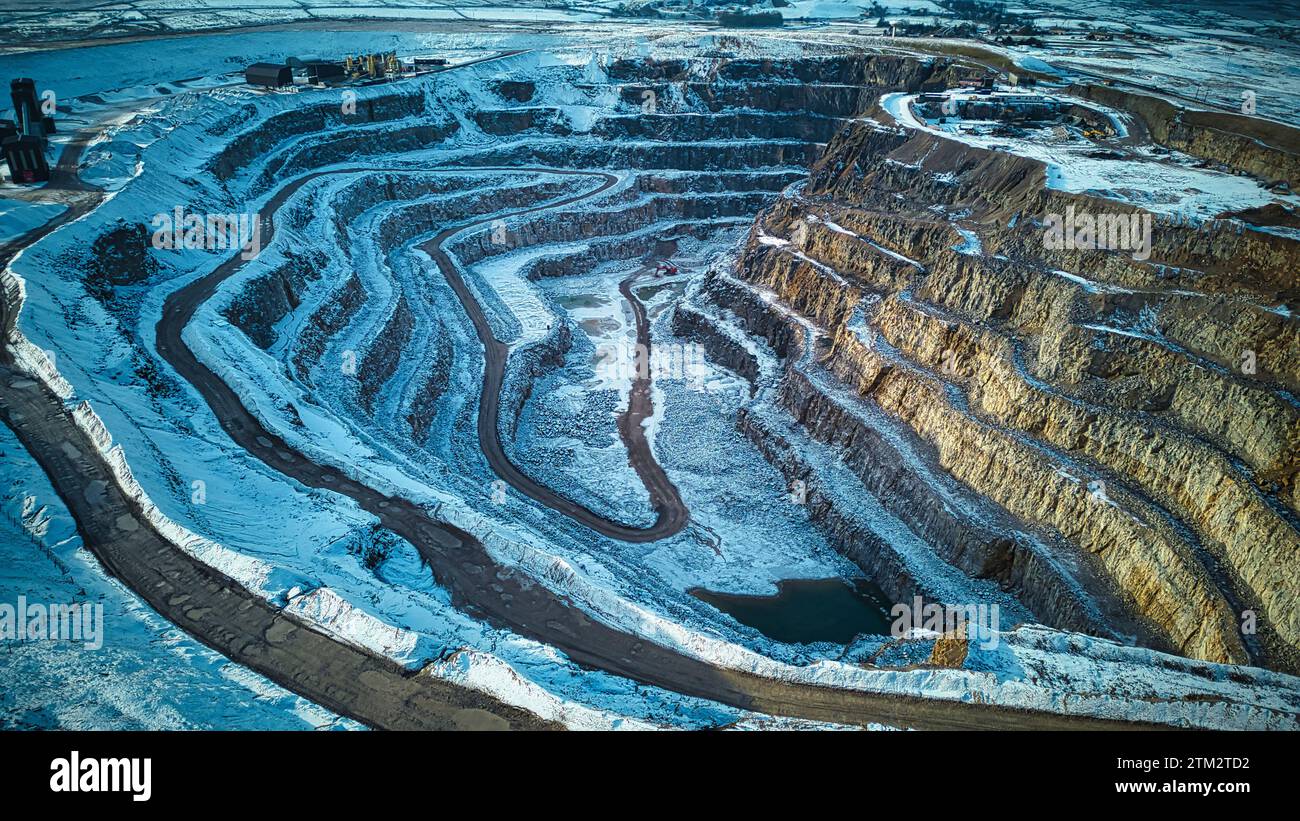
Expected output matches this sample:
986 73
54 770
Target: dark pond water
809 610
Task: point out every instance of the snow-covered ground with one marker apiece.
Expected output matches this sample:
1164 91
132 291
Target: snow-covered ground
298 548
17 218
1169 184
148 675
1211 52
300 555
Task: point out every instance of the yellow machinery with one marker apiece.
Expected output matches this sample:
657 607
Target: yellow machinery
372 65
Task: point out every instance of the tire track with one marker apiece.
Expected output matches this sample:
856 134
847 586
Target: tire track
509 599
671 513
458 562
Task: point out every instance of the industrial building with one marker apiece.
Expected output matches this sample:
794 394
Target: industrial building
364 69
373 66
272 75
27 109
320 72
984 83
25 156
1011 107
23 139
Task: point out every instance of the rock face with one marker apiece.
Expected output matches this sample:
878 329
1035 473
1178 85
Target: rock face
1100 443
267 299
949 651
119 256
1260 147
706 145
1130 428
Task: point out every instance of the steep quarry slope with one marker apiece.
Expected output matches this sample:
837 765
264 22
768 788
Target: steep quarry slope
701 146
975 419
1264 148
1121 433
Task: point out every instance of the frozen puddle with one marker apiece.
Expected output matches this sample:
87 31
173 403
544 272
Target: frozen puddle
807 611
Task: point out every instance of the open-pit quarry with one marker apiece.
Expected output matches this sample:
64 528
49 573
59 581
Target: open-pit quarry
670 383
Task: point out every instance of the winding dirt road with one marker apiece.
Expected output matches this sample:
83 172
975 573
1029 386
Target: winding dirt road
356 682
217 610
664 495
509 599
205 603
671 514
81 199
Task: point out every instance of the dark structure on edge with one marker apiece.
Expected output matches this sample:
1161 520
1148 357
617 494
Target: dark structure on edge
23 139
273 75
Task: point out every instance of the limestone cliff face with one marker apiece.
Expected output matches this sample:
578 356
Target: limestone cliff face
1263 148
1138 415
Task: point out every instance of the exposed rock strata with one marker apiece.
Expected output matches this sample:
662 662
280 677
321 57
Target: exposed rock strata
1097 399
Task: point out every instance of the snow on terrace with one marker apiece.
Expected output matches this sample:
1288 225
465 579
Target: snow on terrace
344 605
332 434
401 611
1168 185
164 429
116 686
839 229
17 218
526 318
295 553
